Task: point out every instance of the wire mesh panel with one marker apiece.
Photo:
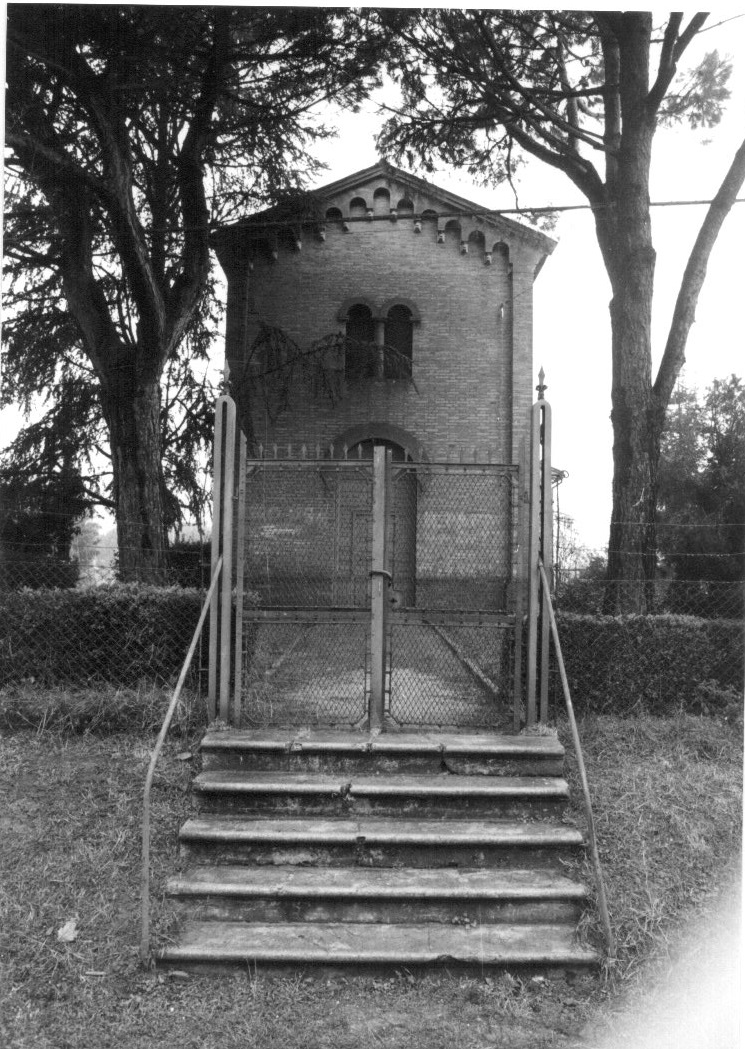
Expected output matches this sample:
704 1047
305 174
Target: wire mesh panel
459 522
450 552
454 674
305 671
453 553
307 556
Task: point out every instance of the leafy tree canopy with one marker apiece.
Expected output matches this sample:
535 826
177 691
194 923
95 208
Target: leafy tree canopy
702 484
584 92
131 132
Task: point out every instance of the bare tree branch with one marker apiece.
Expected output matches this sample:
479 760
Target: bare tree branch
684 313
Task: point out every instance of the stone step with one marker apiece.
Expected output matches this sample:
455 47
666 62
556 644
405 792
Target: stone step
378 842
389 752
402 795
377 944
375 894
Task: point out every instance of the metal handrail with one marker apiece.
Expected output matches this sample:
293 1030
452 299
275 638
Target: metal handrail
599 882
145 873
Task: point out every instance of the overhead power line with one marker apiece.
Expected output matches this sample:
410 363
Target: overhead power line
542 209
493 213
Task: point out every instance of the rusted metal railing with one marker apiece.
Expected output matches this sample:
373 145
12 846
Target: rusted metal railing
145 873
594 855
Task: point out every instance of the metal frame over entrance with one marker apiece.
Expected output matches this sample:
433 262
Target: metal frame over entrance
379 594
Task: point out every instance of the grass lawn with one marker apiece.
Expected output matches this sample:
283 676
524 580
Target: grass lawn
667 795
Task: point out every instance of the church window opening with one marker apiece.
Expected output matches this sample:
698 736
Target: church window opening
360 359
399 340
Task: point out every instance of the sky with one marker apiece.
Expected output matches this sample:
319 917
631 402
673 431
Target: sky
571 295
571 337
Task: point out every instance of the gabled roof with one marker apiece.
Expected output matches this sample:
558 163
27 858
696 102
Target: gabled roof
448 202
424 195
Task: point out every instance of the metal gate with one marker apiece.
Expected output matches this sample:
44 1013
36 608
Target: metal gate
451 623
306 642
377 593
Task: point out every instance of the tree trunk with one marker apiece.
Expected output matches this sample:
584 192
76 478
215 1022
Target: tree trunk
134 428
632 541
625 237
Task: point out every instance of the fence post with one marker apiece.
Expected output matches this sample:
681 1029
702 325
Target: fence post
218 691
240 581
521 493
532 568
380 586
547 544
541 546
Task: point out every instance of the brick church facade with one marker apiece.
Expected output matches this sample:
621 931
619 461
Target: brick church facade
409 309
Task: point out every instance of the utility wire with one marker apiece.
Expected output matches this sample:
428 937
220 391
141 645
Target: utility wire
485 213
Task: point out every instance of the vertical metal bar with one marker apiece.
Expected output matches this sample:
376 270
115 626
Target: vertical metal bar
214 628
546 555
533 552
595 856
226 594
379 589
521 493
240 582
145 868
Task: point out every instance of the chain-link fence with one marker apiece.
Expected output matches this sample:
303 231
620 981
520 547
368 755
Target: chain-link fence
450 554
583 591
654 663
454 550
307 536
306 643
125 636
65 621
687 652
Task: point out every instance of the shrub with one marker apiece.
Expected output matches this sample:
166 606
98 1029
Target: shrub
725 703
119 634
657 664
21 571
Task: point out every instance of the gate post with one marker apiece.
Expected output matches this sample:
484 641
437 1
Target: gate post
547 546
221 607
380 586
540 545
240 579
522 497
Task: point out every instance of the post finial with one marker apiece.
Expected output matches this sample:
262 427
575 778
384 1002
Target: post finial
225 382
541 387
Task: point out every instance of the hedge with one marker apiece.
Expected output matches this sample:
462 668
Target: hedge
119 634
657 664
124 634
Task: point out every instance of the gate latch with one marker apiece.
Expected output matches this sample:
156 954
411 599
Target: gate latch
382 571
394 596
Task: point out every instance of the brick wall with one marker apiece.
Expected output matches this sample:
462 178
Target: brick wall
472 354
309 535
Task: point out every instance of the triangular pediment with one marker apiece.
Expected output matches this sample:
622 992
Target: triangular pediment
383 186
423 195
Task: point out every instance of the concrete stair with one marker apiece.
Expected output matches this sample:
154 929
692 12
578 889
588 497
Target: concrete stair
398 849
